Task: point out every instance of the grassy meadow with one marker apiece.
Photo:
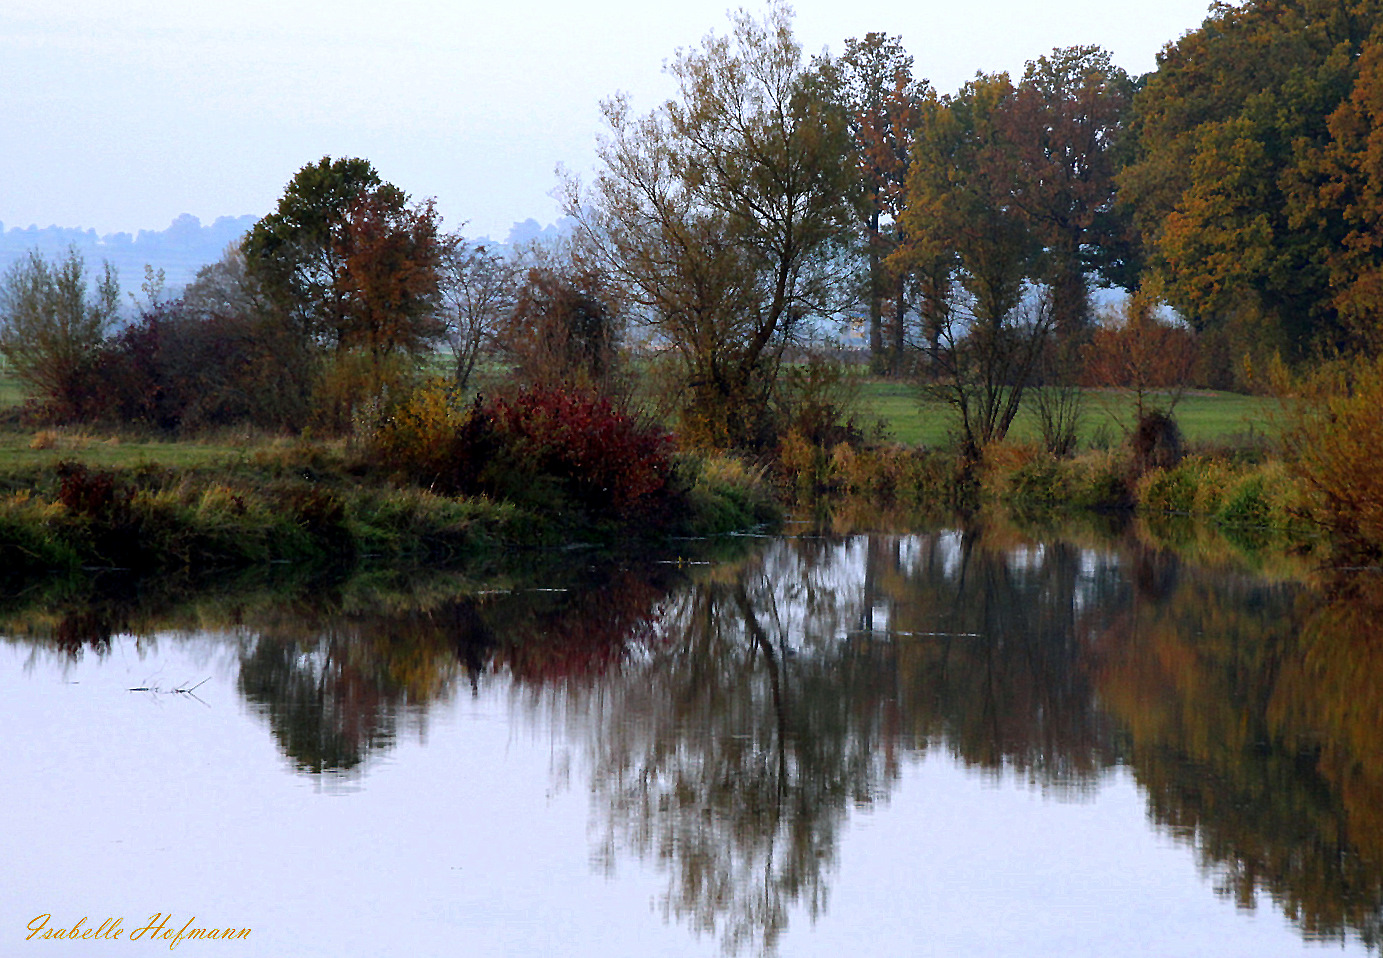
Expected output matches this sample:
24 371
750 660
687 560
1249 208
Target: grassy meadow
1205 417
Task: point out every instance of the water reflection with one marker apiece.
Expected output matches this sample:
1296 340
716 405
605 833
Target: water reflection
335 693
1255 728
731 749
785 690
729 719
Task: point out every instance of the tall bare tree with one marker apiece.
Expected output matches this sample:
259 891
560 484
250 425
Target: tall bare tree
723 214
477 294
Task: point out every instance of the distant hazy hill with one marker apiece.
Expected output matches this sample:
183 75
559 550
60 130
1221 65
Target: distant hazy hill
530 231
184 247
180 250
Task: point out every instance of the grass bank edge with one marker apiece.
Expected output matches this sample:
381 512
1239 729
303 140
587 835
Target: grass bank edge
311 503
1254 500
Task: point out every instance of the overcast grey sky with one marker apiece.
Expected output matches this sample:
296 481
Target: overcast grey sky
121 115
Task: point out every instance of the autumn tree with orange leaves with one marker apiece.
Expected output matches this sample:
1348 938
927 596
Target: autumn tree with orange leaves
350 268
1137 350
874 82
390 257
347 261
1249 178
1064 123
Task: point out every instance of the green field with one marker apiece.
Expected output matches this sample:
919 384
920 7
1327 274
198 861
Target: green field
1203 416
11 394
108 450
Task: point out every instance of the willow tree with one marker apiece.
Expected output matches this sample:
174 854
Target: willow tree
723 214
52 324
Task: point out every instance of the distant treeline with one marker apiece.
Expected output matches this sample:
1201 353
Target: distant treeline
180 250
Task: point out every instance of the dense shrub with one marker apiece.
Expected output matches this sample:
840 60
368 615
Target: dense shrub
1335 442
1101 482
148 519
723 493
1156 441
544 445
724 415
354 388
1170 490
1256 496
890 474
814 415
29 541
434 440
817 400
92 495
177 371
1248 505
1017 471
604 460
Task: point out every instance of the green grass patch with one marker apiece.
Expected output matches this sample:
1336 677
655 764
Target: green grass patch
11 392
1203 416
45 448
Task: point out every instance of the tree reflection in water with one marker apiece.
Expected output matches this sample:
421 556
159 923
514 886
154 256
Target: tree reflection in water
782 692
1256 725
730 749
731 720
336 687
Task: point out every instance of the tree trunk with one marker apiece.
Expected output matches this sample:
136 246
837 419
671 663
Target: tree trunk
876 305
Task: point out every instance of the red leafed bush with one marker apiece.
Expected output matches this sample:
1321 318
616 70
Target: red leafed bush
551 447
93 495
603 460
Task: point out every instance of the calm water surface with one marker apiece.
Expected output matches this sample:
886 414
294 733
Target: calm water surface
950 744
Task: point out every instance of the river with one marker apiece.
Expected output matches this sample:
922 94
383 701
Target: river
950 742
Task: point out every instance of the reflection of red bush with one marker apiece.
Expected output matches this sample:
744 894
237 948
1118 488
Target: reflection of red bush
585 638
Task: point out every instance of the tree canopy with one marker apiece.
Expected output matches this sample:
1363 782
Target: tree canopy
347 260
873 82
1238 171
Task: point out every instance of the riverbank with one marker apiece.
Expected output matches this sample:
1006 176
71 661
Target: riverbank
1251 497
73 504
318 503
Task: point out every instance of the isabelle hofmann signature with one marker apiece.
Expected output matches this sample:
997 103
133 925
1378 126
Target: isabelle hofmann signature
160 928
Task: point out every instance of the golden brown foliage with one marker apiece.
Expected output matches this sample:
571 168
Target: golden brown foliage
1335 443
1134 349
